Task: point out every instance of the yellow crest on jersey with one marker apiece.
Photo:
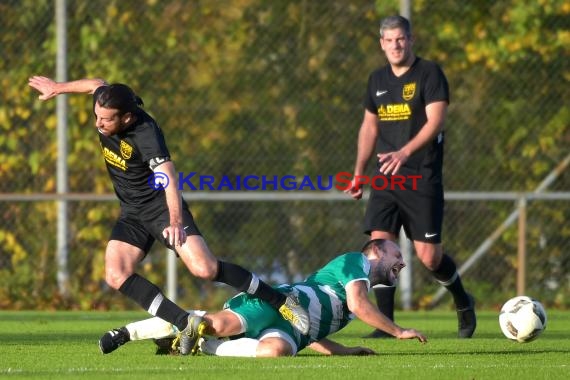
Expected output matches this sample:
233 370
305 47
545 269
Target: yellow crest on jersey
126 150
409 91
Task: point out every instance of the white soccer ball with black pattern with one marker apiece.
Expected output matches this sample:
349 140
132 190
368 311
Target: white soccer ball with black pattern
522 319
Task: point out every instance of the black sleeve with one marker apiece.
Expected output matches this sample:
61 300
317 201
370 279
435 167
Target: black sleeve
151 142
369 103
436 87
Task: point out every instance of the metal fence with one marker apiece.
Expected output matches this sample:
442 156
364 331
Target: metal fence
275 88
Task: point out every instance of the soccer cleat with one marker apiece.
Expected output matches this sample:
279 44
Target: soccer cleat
189 337
113 339
294 313
467 320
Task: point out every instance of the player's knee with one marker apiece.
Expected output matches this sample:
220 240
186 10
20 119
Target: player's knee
431 262
218 327
115 279
206 271
198 259
113 282
430 257
273 349
223 323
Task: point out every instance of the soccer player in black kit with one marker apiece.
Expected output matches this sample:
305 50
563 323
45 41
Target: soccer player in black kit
134 149
405 106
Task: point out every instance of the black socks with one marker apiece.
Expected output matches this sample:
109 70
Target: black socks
385 300
447 276
245 281
150 298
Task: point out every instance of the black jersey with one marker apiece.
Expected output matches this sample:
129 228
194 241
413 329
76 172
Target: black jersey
127 155
400 105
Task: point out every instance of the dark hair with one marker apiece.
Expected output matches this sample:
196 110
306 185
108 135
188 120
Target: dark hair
120 97
378 243
395 22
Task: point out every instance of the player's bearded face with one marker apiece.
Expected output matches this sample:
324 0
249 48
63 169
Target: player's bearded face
386 269
397 46
109 122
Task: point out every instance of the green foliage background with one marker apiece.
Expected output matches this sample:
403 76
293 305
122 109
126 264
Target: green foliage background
275 88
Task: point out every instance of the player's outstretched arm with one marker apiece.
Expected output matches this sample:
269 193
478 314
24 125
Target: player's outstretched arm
329 347
48 88
359 304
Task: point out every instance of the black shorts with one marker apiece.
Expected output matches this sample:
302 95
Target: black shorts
141 227
420 213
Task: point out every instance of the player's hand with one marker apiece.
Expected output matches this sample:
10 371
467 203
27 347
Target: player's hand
354 191
411 334
174 235
45 86
360 351
391 162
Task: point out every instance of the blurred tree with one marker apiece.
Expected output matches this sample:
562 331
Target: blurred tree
274 88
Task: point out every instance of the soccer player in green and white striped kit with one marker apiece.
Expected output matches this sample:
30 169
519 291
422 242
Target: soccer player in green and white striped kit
333 295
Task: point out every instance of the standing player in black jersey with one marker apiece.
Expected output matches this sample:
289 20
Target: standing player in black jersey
405 107
134 150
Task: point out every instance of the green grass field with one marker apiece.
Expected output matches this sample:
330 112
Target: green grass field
64 345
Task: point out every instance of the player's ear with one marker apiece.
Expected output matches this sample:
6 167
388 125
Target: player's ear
127 118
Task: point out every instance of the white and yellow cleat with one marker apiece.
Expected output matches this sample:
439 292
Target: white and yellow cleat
189 337
295 314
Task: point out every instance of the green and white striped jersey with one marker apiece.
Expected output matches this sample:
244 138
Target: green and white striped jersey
323 294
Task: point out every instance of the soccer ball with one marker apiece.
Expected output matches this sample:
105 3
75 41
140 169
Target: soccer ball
522 319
